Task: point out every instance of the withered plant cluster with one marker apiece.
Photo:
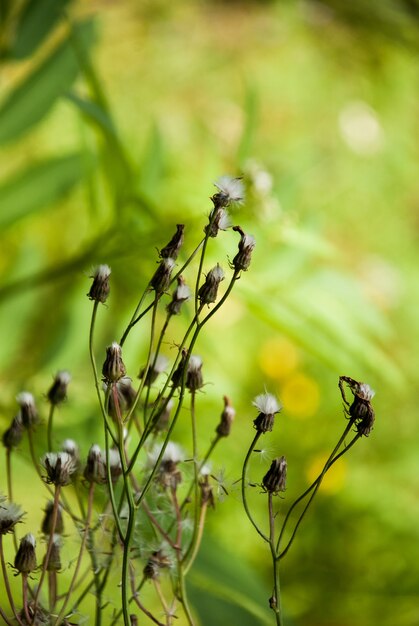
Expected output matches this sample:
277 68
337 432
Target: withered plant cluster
141 500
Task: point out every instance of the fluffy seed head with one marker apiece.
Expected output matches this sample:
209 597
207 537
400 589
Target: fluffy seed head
10 515
230 191
268 406
60 467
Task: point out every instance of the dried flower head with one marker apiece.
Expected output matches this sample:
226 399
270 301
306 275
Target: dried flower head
163 417
157 561
157 367
274 479
169 475
47 522
113 368
171 251
268 406
230 191
25 559
115 465
126 395
99 291
360 412
28 410
13 435
194 380
95 470
246 246
219 219
177 375
181 294
227 417
60 467
10 515
208 291
161 279
54 561
207 494
58 390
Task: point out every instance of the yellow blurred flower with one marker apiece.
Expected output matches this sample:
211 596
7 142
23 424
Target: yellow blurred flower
278 358
300 395
333 480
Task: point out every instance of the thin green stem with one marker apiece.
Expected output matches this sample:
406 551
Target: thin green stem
49 427
80 556
243 486
275 600
135 317
317 484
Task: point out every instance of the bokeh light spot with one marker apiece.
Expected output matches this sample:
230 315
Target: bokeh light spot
300 395
278 358
333 480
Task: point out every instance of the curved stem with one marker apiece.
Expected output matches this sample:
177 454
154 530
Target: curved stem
7 584
275 600
243 481
317 483
135 317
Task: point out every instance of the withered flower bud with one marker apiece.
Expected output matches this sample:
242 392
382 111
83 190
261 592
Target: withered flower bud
28 411
54 561
113 368
230 191
246 246
10 515
126 396
360 411
161 279
157 366
178 373
13 435
227 416
169 476
25 559
171 251
275 477
162 419
115 465
219 219
207 495
181 294
157 561
60 467
99 291
194 380
268 406
46 526
208 291
95 470
58 390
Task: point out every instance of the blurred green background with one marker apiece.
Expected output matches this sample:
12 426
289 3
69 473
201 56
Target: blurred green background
115 119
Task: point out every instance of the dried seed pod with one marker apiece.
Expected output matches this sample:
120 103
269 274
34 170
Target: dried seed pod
99 291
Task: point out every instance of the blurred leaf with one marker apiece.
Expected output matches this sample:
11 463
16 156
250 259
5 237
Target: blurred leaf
40 186
31 100
36 21
218 586
153 164
251 110
94 113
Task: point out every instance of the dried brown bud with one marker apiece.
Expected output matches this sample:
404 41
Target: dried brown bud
275 477
227 418
360 411
58 390
161 279
194 380
54 561
181 294
25 559
28 411
99 290
113 368
95 470
171 251
178 373
13 435
60 467
219 219
208 291
10 515
268 406
46 526
246 246
207 495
